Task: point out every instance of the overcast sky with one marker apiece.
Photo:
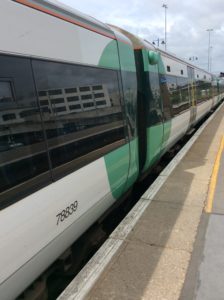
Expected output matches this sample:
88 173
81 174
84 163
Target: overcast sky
187 22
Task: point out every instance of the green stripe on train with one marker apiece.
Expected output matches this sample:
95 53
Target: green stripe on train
121 173
154 142
117 163
110 58
157 137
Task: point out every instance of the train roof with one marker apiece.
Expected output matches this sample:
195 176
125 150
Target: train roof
66 13
175 57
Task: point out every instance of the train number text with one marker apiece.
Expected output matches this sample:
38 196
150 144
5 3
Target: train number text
68 211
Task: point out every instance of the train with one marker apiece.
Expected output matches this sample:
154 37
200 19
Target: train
86 110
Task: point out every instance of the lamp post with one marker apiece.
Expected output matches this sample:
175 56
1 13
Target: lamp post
158 41
209 47
193 58
165 7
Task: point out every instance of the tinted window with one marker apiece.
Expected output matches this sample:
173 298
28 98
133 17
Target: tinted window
182 87
23 157
167 112
155 110
129 86
203 90
178 93
6 93
76 133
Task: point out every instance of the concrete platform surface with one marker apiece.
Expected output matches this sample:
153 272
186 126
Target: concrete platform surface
153 258
205 275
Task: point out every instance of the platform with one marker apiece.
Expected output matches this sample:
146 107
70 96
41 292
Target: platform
168 246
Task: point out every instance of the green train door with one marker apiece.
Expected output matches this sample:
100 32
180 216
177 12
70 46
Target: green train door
154 118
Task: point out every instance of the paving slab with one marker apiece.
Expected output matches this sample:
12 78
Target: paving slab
191 191
211 273
136 275
193 170
167 225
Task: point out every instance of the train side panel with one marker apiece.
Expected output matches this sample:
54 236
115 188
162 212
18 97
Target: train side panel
65 152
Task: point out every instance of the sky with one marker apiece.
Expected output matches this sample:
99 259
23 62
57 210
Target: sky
187 24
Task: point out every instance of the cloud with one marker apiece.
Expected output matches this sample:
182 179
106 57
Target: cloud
187 22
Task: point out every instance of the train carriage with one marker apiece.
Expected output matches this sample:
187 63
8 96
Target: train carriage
68 151
86 109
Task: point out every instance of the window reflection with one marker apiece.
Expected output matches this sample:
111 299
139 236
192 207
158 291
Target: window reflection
155 109
81 110
203 90
178 93
22 147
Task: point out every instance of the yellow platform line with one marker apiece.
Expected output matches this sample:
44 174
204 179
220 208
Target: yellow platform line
214 177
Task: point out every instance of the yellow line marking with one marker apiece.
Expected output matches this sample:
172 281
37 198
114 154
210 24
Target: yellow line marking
214 177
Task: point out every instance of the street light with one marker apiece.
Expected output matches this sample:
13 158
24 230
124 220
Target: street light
193 58
209 48
158 41
165 7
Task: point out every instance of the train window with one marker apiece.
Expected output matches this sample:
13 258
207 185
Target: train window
23 158
6 93
80 133
181 72
168 68
155 109
203 90
174 94
182 87
167 112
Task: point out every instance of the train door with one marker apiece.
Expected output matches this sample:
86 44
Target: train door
191 86
154 118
